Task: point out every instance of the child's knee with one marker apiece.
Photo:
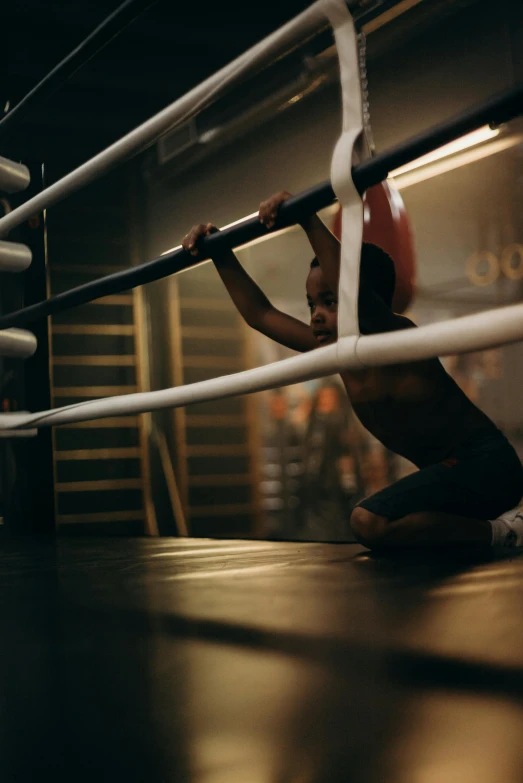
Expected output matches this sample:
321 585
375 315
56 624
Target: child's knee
368 528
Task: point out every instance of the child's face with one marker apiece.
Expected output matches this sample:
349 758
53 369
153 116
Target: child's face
323 305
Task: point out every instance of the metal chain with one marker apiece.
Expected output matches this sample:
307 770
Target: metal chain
362 58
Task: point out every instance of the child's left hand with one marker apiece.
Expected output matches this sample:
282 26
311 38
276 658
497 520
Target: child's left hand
268 212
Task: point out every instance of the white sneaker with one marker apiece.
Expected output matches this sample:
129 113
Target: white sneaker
507 529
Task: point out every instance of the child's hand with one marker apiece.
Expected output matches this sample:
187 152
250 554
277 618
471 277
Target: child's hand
269 209
192 240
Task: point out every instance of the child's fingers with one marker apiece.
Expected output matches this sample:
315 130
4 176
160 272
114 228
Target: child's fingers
264 211
268 210
191 240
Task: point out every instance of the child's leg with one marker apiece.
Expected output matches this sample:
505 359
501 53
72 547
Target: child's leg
456 502
423 528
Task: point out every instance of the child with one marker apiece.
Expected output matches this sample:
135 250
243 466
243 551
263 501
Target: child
469 475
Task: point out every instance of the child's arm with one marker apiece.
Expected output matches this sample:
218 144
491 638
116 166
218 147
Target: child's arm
374 315
325 245
250 301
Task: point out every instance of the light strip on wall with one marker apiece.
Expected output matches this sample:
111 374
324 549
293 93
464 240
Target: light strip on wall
439 162
229 225
465 142
455 162
389 16
326 213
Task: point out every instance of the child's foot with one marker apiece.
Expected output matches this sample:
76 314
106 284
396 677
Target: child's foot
507 529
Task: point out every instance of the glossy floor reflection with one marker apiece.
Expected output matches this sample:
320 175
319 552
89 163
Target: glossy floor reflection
242 662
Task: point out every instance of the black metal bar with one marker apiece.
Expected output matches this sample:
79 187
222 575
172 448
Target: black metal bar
112 26
499 109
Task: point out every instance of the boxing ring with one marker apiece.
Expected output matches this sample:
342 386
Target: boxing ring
201 661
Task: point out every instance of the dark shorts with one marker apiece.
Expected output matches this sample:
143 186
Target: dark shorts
482 479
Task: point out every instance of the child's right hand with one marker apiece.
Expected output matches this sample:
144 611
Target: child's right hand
192 240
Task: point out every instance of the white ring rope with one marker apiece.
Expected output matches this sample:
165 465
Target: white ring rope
352 351
298 29
459 335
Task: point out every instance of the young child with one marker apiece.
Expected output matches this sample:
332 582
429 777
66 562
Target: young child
469 478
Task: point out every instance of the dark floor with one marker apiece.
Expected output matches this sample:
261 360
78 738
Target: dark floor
240 662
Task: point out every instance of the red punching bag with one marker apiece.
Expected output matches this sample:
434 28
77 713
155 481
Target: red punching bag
387 225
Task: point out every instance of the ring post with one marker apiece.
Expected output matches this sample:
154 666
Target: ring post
14 257
30 501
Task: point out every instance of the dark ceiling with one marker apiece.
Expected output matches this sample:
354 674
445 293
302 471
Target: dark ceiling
169 48
166 51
